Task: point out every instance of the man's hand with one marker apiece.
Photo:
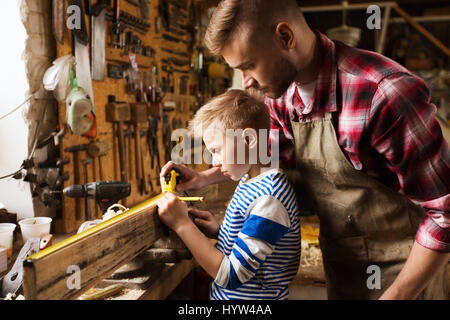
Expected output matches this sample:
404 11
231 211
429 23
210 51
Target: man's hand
190 179
420 268
172 211
206 222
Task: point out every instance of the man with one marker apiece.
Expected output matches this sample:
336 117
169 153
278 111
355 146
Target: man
369 156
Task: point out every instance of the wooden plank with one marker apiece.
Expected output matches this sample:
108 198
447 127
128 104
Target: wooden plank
96 255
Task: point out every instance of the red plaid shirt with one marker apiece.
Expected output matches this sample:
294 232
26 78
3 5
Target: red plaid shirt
386 127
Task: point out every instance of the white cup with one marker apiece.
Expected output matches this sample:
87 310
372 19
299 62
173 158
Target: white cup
35 227
6 236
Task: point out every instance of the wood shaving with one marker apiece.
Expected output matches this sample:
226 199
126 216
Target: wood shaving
311 255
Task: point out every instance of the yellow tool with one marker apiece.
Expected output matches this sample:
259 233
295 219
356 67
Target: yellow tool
201 199
170 182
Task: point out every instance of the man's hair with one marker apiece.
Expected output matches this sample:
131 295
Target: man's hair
234 109
253 16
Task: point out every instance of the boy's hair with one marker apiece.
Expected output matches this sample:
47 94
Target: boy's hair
253 16
234 109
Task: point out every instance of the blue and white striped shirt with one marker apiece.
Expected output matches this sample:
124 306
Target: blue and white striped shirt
260 240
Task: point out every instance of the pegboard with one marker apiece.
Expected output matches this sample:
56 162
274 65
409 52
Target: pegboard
72 215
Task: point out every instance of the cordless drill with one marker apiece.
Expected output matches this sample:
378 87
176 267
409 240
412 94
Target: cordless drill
105 193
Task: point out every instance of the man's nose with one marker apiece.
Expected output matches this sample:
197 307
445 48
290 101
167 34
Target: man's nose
247 81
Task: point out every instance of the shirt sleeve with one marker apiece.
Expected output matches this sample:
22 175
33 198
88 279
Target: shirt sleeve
280 137
266 224
404 130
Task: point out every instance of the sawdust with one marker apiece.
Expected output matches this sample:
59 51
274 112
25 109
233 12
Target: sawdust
311 255
128 294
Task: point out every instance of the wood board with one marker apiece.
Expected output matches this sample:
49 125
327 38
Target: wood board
97 256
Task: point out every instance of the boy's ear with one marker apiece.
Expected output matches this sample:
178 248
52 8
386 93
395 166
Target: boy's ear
250 137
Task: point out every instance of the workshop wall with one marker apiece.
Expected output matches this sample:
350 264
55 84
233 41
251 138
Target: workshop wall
182 87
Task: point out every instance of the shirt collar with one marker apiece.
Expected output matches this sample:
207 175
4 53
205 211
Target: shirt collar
325 92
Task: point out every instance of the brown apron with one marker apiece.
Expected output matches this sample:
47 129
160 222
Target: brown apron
362 222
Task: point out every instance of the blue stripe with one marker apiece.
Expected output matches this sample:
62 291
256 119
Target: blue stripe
264 229
234 282
241 244
242 260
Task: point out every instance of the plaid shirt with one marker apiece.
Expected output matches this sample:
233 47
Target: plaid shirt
386 128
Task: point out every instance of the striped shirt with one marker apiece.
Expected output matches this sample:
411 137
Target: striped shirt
260 240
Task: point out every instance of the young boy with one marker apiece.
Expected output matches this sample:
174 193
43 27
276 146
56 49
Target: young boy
258 249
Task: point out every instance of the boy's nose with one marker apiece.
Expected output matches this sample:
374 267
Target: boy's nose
216 162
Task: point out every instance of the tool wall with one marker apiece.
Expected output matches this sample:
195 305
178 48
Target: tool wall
148 78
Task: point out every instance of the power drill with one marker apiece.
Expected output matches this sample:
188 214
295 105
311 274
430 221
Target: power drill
105 193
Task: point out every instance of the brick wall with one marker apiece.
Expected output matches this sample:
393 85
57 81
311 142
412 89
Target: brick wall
39 55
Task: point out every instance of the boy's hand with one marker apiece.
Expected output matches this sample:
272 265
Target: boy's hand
172 211
190 179
206 222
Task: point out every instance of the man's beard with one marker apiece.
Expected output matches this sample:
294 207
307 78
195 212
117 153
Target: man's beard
285 75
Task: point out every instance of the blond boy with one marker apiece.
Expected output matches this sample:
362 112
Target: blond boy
258 248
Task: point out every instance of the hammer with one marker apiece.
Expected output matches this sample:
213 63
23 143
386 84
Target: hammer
118 113
98 149
139 115
76 171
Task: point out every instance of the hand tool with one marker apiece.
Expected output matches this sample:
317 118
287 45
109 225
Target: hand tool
115 71
117 29
60 180
58 20
127 134
105 193
75 150
168 37
129 21
170 69
138 115
145 9
143 164
158 25
152 141
13 279
55 136
87 203
133 2
98 149
163 12
118 113
53 163
170 182
179 53
98 15
177 62
166 139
